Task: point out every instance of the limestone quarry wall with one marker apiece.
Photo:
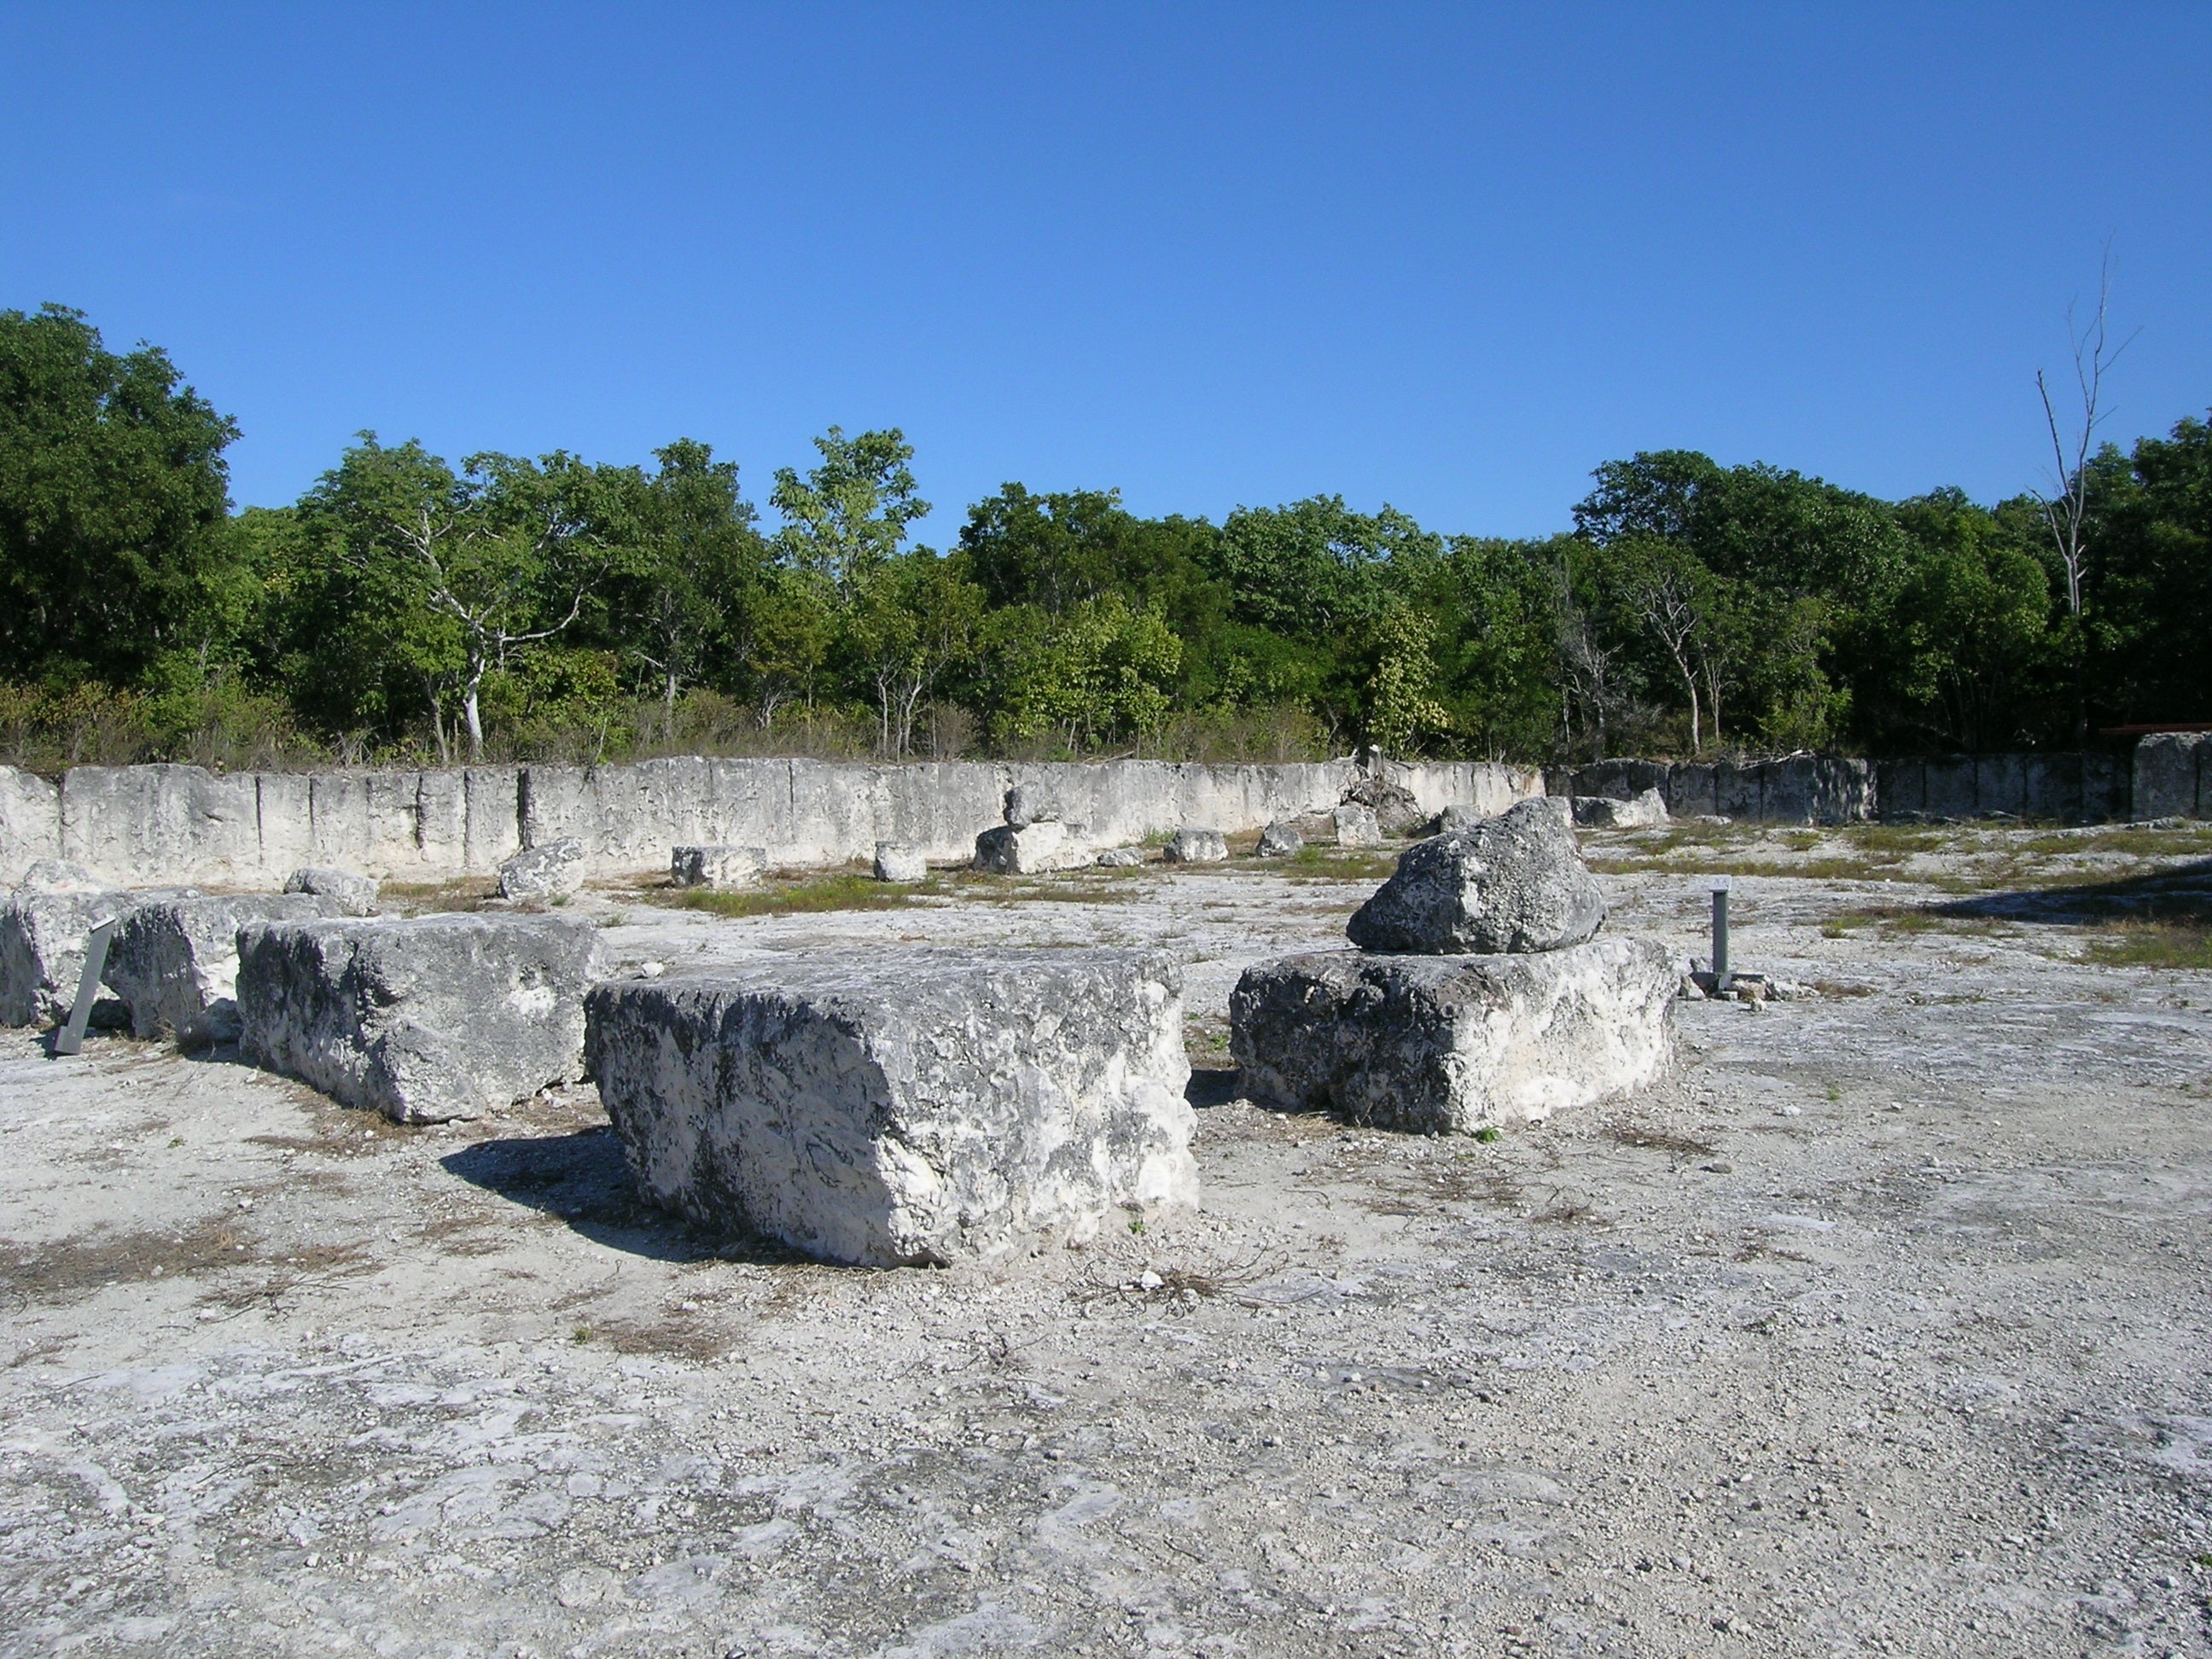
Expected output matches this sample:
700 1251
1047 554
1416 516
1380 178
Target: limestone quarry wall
151 824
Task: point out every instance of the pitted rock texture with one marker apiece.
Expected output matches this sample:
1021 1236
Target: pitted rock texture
354 895
1121 858
42 941
1397 813
1193 845
909 1106
552 871
1513 883
1045 845
440 1017
1454 819
1027 804
1453 1044
1644 810
1356 826
718 867
60 876
900 862
1280 841
175 962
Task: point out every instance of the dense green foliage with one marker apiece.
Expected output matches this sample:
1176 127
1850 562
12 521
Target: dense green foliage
561 607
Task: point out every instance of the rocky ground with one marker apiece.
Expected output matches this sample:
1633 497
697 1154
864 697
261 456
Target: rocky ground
1881 1327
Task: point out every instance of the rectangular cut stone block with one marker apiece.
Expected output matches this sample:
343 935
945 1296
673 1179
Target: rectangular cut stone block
2051 786
2166 775
492 815
2106 787
2000 786
284 804
1689 790
175 962
908 1106
444 1017
1901 785
1036 850
30 823
1454 1044
1735 790
717 866
42 952
1948 787
140 825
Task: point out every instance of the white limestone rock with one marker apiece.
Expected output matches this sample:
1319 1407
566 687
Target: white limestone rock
42 940
1453 819
1280 841
439 1017
60 876
553 870
1454 1044
173 963
1193 844
900 862
1121 858
1039 846
1356 826
354 895
718 867
1027 804
1513 882
903 1106
1643 812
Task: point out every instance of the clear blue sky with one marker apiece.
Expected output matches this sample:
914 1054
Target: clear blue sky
1450 258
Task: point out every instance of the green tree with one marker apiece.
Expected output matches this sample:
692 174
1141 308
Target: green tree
912 622
114 541
851 513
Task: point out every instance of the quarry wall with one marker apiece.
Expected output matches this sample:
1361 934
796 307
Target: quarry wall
147 825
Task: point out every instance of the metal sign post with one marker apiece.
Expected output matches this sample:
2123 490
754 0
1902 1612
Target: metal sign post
70 1037
1720 939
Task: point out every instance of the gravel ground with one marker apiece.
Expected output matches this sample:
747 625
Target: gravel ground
1879 1326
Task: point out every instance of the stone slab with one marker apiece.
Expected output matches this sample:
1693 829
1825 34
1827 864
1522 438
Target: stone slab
907 1106
173 963
2166 775
30 823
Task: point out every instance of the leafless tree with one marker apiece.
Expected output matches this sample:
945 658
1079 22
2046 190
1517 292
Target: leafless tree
2066 508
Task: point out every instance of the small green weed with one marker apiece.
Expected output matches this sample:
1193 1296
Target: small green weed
1487 1135
844 890
2153 945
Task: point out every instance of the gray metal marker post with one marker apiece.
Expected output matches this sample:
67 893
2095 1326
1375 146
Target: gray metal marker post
1720 939
70 1037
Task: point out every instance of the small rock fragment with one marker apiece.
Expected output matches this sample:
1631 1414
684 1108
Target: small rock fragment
900 862
552 871
356 895
717 867
1193 844
1280 841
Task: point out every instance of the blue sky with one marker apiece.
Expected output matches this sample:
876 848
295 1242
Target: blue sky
1450 258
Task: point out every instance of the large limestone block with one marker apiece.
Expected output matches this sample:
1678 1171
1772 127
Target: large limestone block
902 1106
553 870
1643 812
350 895
1453 1044
30 822
2166 767
1357 826
1193 844
175 962
42 937
1513 883
440 1017
138 825
717 866
1044 845
1282 841
900 862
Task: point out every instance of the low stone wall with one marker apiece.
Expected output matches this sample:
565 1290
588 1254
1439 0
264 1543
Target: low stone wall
146 825
1801 789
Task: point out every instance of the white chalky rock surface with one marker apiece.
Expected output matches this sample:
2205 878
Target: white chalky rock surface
1356 826
1036 849
356 894
1875 1327
722 868
42 940
440 1017
555 870
1280 841
1193 845
175 962
1645 811
1439 1045
1513 883
911 1106
900 862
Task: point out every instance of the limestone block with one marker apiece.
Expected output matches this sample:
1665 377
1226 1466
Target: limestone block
2051 786
60 876
175 962
2000 786
442 1017
1946 787
1356 826
1454 1044
553 870
1044 845
902 1106
1027 804
556 802
2106 783
441 820
42 937
1513 882
1282 841
717 866
284 803
353 895
491 815
1735 790
1397 812
30 822
1121 858
2166 775
1193 844
896 860
338 812
141 825
1689 790
396 844
1643 812
1903 785
1453 819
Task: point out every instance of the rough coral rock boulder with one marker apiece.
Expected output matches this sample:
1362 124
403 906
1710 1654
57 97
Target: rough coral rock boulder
717 866
1026 804
900 862
1453 1044
439 1017
1038 847
42 942
354 895
1643 812
1121 858
1453 819
1396 811
1513 882
1280 841
173 963
552 871
1356 826
905 1106
1193 845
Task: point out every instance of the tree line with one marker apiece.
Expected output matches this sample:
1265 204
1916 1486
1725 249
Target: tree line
549 606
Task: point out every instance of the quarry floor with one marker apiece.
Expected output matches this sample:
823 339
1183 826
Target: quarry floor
1882 1326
